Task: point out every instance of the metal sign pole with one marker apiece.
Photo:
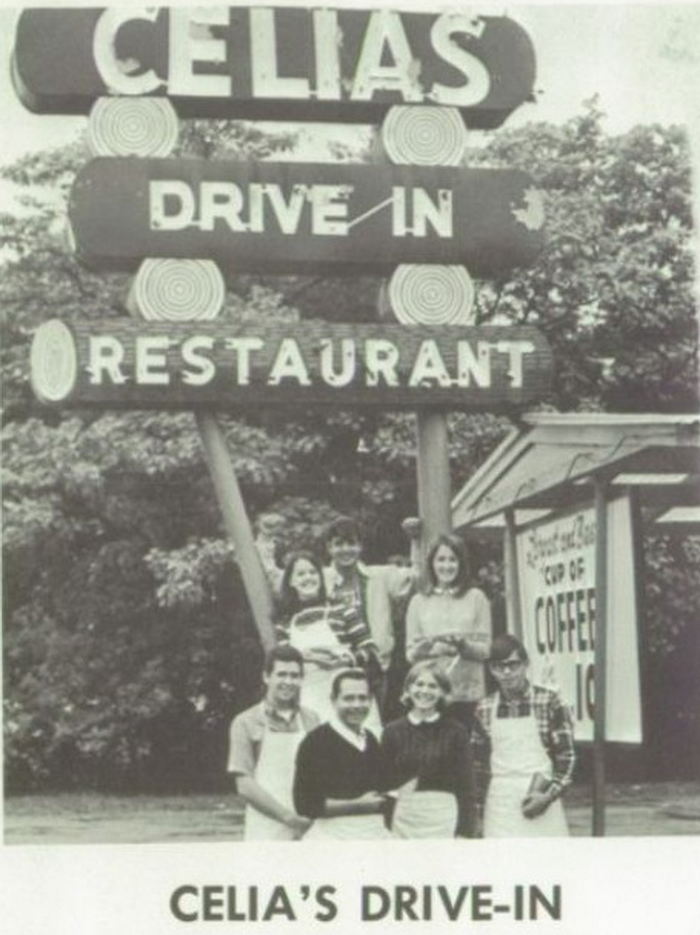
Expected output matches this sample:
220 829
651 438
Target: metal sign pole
601 592
510 555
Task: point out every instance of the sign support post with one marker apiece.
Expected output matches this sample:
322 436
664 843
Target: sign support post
601 593
510 562
237 525
152 296
433 476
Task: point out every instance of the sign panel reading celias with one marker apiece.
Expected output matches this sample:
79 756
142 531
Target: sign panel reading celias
286 63
285 217
226 365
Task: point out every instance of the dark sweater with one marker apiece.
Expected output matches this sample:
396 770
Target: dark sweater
329 767
437 754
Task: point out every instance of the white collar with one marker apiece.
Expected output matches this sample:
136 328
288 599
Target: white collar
357 740
414 718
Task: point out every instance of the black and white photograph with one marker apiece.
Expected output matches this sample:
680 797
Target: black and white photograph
350 466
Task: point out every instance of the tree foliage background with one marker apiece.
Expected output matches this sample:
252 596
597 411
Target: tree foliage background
128 644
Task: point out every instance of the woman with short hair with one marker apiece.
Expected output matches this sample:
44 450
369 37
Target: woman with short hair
427 761
449 624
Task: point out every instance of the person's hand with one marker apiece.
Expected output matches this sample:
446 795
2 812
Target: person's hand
536 803
412 526
372 802
299 824
466 651
443 647
340 657
322 657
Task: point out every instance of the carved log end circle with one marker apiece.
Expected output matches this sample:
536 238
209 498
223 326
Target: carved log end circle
125 126
53 362
424 136
178 290
429 294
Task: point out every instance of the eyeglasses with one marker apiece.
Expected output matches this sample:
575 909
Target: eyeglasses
507 665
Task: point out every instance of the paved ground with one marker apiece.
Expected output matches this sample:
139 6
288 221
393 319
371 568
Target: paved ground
650 809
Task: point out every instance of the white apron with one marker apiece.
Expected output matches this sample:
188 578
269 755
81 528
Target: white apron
517 753
348 828
425 815
316 685
317 682
275 773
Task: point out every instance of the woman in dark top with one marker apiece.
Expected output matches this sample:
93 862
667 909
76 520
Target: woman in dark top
427 762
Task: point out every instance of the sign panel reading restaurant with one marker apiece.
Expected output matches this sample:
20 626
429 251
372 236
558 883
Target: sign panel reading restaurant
286 217
227 365
285 63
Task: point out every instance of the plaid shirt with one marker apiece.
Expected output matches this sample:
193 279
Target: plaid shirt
555 728
347 624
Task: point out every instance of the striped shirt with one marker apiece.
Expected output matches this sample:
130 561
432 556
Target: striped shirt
346 623
553 722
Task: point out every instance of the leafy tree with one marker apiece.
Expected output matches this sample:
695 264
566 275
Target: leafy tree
613 289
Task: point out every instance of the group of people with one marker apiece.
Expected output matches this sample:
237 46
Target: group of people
313 758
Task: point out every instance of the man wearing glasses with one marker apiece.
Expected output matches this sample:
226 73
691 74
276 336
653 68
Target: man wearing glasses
523 747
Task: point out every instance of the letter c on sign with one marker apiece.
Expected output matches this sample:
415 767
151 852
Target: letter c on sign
175 903
118 80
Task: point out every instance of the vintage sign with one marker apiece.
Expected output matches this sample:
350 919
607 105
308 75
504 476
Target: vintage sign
556 571
291 218
274 63
228 365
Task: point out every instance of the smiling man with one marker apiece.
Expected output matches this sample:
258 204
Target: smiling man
339 777
263 744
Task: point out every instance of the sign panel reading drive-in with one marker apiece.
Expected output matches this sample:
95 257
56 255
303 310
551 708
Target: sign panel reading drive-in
266 63
286 217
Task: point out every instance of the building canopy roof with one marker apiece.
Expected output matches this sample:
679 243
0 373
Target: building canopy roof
550 461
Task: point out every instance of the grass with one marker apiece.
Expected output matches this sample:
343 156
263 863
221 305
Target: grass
91 818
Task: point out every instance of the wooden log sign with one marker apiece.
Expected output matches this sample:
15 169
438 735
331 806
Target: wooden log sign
293 218
148 365
266 63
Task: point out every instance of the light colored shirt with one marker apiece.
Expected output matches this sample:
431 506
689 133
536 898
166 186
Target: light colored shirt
248 729
467 616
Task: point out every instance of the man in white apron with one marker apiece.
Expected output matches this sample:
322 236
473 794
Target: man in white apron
339 774
523 749
263 746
